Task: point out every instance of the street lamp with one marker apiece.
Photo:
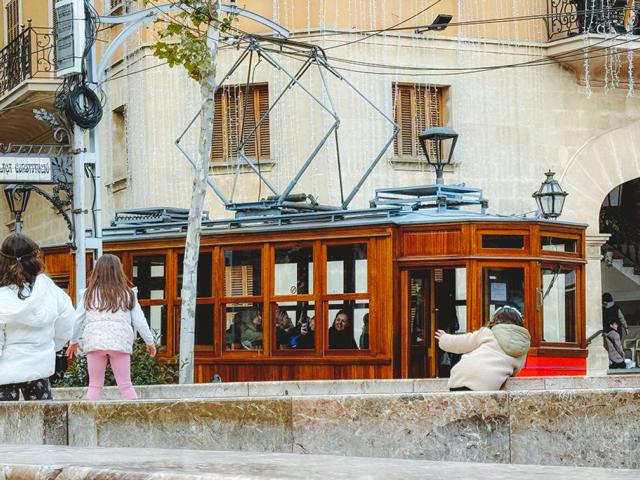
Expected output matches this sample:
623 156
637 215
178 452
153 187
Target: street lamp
438 135
17 198
550 198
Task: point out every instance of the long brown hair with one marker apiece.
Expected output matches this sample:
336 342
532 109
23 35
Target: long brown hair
20 263
108 288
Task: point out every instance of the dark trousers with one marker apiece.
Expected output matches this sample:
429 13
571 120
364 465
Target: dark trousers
617 365
460 389
33 390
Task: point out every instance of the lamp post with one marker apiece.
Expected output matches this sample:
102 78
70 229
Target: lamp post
17 198
550 197
438 135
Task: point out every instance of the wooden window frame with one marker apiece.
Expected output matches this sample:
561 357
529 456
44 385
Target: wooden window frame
432 116
526 244
539 304
221 154
326 298
172 336
224 300
309 297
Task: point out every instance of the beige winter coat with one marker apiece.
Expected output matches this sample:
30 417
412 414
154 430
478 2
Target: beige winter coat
490 356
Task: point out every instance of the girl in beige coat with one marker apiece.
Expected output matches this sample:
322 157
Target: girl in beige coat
491 354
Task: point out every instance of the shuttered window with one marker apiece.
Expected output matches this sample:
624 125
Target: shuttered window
13 20
417 107
238 281
236 105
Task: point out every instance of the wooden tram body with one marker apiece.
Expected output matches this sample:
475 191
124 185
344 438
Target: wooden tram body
405 273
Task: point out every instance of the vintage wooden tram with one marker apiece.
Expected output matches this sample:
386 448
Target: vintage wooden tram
396 273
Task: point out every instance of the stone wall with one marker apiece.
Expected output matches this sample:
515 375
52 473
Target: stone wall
598 427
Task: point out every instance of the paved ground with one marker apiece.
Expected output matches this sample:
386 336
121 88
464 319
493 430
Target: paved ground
26 462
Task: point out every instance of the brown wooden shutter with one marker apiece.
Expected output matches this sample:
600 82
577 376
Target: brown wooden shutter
217 143
13 20
405 118
249 119
263 134
418 107
228 118
238 281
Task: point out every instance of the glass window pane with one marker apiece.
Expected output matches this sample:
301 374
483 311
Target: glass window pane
558 244
419 305
503 241
559 305
502 286
242 273
347 268
348 325
204 274
204 325
295 325
148 276
156 316
293 271
243 323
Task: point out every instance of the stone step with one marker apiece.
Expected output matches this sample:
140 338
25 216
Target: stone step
40 462
571 427
344 387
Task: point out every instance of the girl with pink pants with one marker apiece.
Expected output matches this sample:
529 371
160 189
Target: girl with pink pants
106 315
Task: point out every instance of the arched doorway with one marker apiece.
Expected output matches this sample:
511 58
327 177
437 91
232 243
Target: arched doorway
620 217
598 167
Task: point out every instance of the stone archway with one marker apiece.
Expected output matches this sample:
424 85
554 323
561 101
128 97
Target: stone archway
600 165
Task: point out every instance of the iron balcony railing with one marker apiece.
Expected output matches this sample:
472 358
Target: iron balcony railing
29 55
566 18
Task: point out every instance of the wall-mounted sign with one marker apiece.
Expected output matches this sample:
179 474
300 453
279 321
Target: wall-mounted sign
26 170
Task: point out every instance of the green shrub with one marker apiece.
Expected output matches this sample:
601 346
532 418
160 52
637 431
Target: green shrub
145 370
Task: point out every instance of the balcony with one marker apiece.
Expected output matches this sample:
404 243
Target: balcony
27 81
595 39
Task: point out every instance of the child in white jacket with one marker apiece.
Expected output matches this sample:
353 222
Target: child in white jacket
491 354
105 316
36 318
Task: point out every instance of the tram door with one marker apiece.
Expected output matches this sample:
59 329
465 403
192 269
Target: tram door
421 324
437 300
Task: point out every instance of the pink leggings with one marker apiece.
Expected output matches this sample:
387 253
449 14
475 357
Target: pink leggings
121 366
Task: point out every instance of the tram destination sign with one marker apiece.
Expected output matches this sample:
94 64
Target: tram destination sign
23 169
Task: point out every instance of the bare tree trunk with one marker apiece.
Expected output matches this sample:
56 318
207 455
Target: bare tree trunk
192 245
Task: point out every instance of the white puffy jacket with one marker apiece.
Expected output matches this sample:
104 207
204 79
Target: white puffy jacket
31 330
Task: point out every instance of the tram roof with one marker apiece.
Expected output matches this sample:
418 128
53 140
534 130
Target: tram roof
141 229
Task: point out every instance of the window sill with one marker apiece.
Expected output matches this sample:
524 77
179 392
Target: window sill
416 164
118 184
226 168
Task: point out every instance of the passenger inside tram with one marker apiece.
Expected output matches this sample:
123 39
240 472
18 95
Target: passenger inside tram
341 332
251 329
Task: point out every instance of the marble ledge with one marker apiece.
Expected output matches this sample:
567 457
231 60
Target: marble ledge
346 387
67 463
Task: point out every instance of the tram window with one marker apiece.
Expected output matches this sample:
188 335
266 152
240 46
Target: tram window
204 325
502 286
294 324
347 268
348 325
156 315
503 241
149 276
204 274
243 326
461 298
242 270
558 305
558 244
293 271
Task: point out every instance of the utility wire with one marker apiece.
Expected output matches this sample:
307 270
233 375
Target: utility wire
378 32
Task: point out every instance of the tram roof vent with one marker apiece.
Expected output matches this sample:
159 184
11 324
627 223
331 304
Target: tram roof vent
152 216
